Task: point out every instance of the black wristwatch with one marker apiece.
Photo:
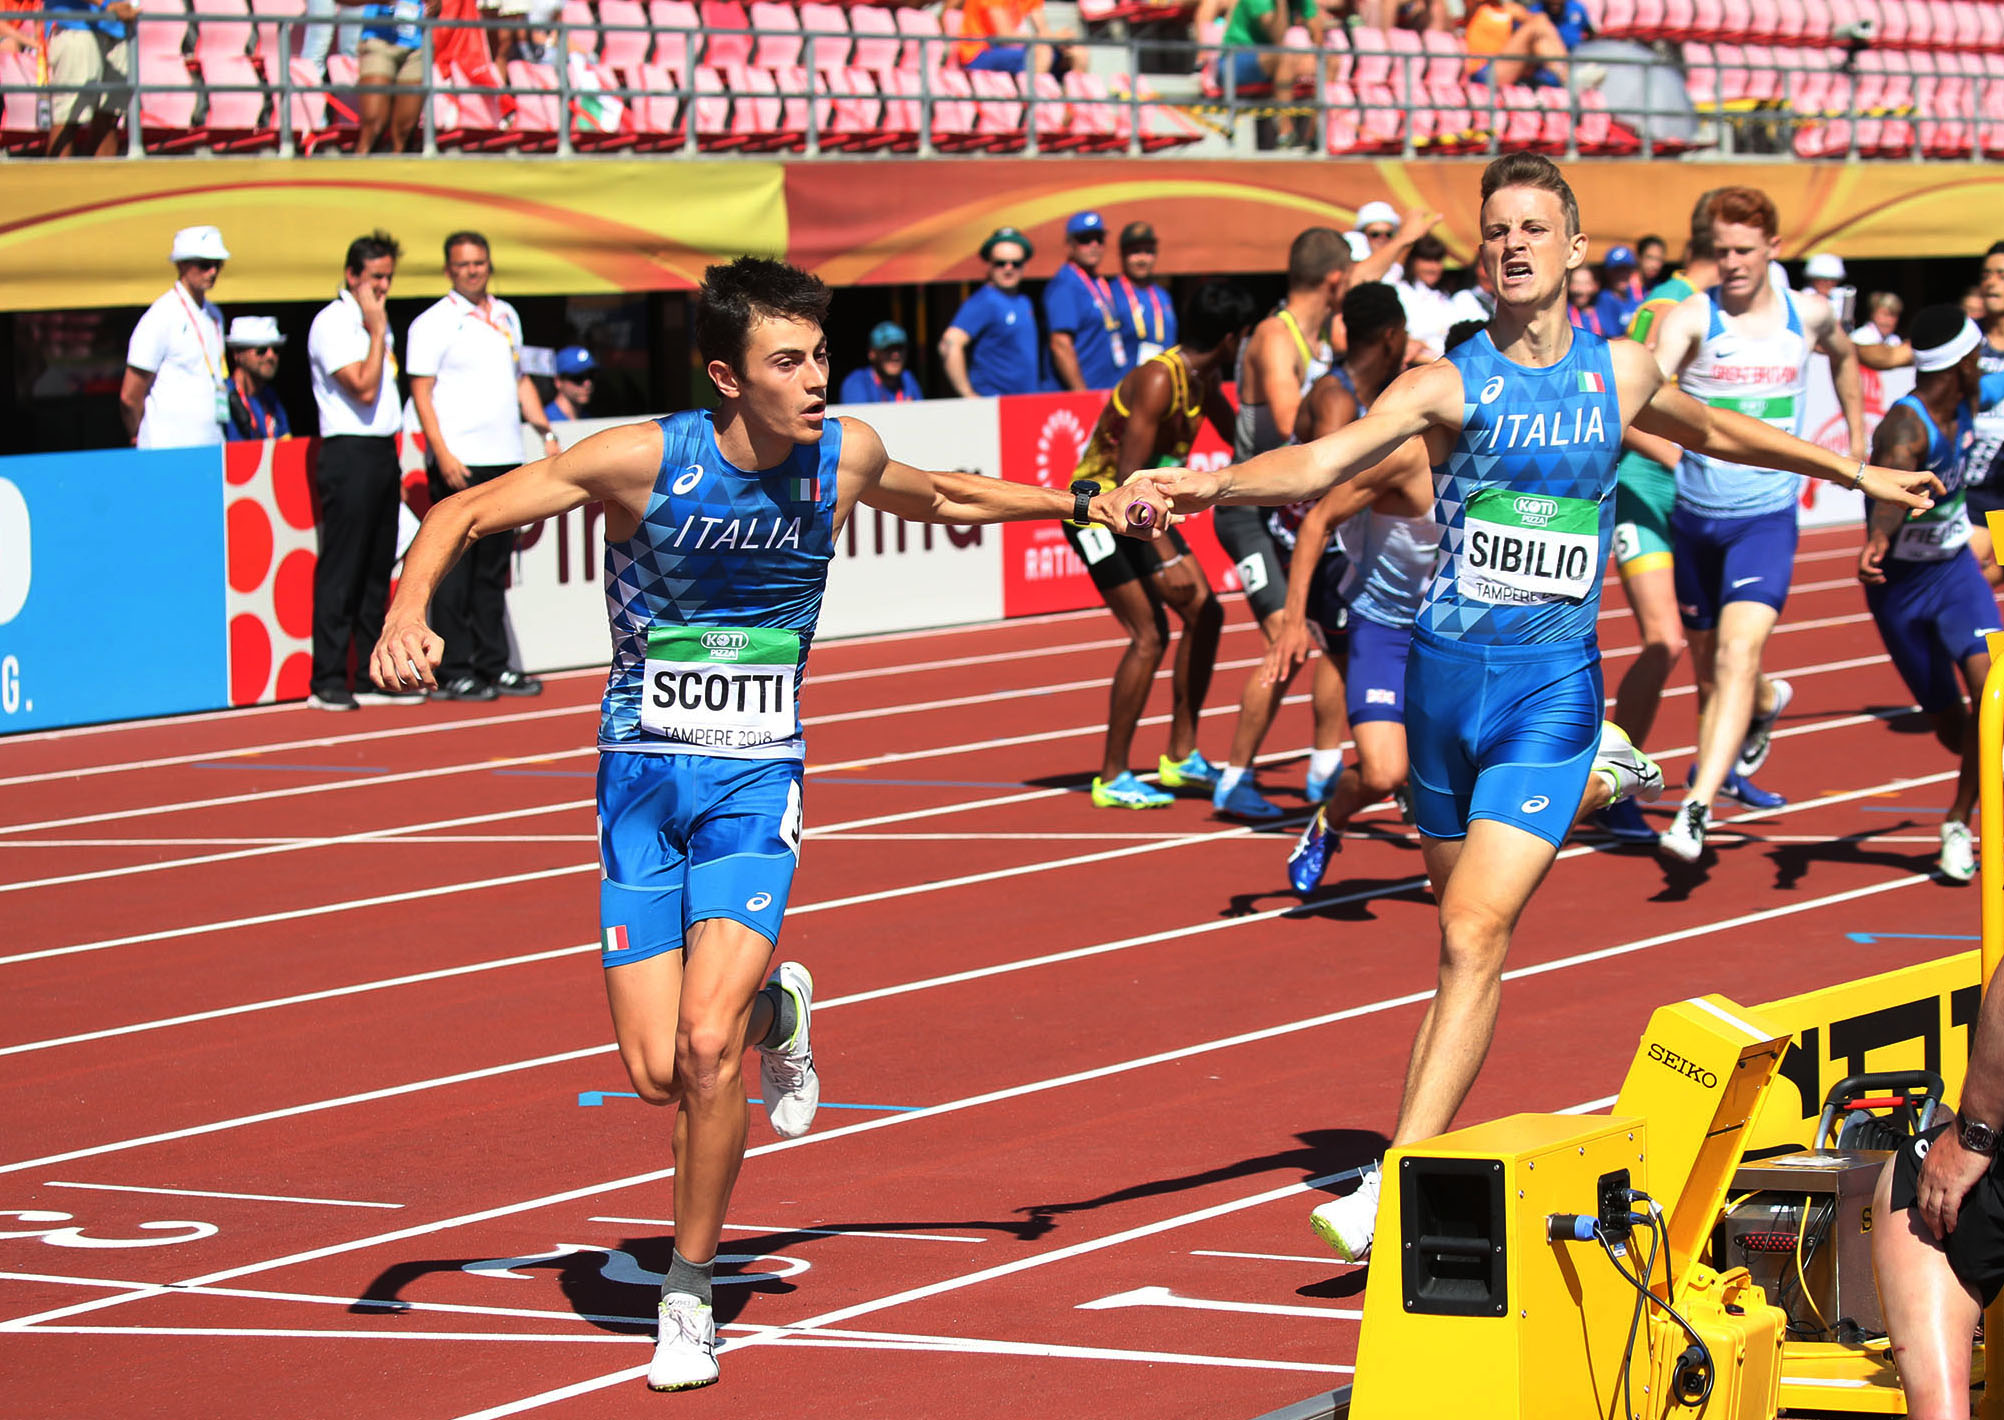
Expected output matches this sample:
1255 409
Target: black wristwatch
1083 492
1978 1137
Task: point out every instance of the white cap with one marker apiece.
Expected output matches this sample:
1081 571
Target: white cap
1360 245
199 244
1824 266
1376 212
254 330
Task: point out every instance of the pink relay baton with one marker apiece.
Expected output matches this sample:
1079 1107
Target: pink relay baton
1140 515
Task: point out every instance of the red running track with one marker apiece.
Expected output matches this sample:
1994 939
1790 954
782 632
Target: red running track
306 1027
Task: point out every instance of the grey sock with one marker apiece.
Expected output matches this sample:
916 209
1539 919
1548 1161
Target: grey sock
692 1278
785 1018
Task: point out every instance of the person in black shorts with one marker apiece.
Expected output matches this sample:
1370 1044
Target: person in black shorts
1938 1248
1150 421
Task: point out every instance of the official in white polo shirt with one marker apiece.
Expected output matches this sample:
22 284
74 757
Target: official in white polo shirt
176 392
353 361
472 399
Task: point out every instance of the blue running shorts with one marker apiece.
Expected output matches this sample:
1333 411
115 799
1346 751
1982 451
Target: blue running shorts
1720 560
1933 616
1375 680
686 837
1501 732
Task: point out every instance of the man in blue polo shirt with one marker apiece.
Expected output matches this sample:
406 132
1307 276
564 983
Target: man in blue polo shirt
886 379
990 346
1089 350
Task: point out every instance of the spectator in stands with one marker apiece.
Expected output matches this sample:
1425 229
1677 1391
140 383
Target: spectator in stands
990 346
1823 273
885 379
1652 254
1882 320
92 50
1088 346
997 34
1266 22
1148 315
18 36
1473 303
1571 20
255 409
391 53
1582 300
351 354
175 394
575 371
1429 309
1973 305
472 399
1621 289
1508 44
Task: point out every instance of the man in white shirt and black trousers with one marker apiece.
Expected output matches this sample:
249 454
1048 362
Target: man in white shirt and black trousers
353 360
176 392
472 399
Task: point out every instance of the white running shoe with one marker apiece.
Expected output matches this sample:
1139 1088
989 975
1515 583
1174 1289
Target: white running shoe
1636 775
685 1352
1349 1223
787 1082
1753 749
1684 839
1958 853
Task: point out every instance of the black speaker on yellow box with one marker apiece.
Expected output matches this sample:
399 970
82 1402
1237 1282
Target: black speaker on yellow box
1484 1316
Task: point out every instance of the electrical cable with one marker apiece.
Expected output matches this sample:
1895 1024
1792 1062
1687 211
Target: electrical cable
1801 1280
1634 1322
1705 1351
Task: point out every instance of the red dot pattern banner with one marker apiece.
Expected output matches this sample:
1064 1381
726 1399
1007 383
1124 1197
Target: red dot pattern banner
271 550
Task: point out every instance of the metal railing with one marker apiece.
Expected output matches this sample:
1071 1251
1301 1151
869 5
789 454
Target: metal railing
1390 113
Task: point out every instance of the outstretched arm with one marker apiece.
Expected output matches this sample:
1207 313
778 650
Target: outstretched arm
618 465
922 496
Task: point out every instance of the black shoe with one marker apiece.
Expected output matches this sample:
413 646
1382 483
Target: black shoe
465 687
332 700
514 682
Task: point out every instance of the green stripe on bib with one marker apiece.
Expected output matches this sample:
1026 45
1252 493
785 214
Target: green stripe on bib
724 645
1772 406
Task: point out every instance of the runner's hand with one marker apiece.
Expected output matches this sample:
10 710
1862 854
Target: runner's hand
1186 490
1136 509
1289 651
451 469
407 656
1946 1175
1872 559
1912 488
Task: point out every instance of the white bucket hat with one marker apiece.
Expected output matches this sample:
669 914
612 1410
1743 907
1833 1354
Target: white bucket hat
1824 266
252 331
199 244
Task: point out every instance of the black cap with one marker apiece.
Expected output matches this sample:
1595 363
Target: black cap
1136 234
1007 234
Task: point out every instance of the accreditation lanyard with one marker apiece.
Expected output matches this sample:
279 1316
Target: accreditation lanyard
1102 297
263 420
500 328
218 380
1134 307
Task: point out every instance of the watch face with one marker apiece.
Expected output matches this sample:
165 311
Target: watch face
1978 1137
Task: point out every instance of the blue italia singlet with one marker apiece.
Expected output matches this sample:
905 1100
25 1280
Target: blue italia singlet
1525 498
714 599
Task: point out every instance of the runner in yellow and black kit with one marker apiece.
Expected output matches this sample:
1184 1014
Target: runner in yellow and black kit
1150 421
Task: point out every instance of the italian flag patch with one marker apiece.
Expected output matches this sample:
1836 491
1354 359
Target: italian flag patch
615 940
807 490
1591 383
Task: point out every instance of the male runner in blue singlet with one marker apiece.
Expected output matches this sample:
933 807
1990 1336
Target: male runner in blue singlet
1523 427
1922 583
719 529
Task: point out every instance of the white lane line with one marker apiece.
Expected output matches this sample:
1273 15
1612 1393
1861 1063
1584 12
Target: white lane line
397 836
1325 1260
206 1193
789 1230
1164 1297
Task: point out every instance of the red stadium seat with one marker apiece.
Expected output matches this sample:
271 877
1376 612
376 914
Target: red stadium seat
1052 114
793 84
21 129
721 49
999 110
626 40
678 32
1617 19
237 98
924 47
877 42
657 113
537 112
1736 21
779 45
831 20
269 13
223 27
956 118
714 130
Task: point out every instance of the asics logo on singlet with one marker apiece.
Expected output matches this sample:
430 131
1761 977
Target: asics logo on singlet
1535 805
759 903
725 645
689 478
1492 389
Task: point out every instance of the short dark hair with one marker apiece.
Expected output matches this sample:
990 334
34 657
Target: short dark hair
1532 170
374 247
1369 310
1218 311
1996 249
1652 240
1700 247
466 239
1313 254
1463 330
1428 248
751 288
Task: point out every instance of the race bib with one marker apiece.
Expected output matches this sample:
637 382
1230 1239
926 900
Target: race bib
1936 535
1521 549
718 687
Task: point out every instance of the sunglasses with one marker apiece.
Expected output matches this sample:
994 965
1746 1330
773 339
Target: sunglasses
1378 234
205 265
1005 263
1091 239
257 349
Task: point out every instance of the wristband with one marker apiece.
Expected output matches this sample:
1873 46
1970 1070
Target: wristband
1083 493
1858 478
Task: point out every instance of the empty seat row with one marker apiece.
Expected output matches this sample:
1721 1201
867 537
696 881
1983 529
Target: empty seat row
1892 24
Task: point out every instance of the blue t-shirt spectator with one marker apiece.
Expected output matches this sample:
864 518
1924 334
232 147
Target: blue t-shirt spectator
260 416
1147 318
1002 334
1573 23
401 33
1615 307
863 387
1084 308
108 25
